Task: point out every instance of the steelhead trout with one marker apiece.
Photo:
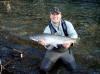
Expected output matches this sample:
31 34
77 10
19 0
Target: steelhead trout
53 39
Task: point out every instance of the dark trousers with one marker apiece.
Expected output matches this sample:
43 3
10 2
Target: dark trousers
52 56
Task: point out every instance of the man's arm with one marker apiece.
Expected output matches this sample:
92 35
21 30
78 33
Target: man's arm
42 42
71 32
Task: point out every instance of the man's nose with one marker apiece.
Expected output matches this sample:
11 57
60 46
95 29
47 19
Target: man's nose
55 15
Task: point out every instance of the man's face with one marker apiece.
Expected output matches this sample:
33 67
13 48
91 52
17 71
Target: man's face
55 17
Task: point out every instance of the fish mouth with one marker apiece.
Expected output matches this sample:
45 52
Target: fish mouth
33 39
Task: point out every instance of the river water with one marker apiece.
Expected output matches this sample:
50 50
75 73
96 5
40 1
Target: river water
28 17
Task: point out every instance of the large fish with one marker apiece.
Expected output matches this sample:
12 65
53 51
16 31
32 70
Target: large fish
53 39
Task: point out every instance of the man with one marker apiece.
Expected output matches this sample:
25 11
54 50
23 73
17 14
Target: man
58 26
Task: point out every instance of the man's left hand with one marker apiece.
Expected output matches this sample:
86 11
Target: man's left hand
67 45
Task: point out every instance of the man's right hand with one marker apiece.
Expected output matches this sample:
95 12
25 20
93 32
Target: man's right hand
42 42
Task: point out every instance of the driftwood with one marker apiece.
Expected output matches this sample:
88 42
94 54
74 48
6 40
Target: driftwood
7 4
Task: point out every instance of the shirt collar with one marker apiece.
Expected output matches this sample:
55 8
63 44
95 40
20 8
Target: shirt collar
56 25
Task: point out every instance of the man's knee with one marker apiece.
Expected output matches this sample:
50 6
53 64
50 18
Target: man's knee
46 65
45 68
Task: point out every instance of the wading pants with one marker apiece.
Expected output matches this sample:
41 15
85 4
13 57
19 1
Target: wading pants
52 56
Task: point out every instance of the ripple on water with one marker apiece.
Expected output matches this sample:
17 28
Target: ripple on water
12 29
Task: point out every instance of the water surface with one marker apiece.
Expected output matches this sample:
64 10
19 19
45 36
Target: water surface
30 17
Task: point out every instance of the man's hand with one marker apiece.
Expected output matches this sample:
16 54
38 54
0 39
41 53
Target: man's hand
42 42
67 45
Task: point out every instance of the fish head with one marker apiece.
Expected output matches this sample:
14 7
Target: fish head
35 38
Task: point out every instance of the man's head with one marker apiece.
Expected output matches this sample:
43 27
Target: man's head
55 15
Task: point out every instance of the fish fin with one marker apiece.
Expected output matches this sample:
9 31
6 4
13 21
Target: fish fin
55 45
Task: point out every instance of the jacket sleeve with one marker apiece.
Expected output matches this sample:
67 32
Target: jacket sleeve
70 30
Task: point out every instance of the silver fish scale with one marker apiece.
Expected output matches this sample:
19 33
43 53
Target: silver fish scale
53 39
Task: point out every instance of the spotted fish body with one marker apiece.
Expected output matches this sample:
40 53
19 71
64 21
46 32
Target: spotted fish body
53 39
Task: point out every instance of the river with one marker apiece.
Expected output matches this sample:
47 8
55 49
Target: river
28 17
